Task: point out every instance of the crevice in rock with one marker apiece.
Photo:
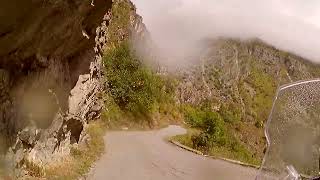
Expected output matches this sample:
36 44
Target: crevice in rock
75 126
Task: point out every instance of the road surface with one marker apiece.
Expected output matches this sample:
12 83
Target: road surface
147 156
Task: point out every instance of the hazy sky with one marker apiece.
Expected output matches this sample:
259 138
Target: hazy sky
292 25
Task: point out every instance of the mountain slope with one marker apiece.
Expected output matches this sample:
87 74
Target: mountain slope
238 80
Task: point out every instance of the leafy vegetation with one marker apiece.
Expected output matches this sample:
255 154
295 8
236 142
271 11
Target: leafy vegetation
236 151
136 95
134 91
210 133
132 86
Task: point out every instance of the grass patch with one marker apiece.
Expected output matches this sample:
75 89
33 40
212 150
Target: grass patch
236 151
82 158
34 170
186 139
257 92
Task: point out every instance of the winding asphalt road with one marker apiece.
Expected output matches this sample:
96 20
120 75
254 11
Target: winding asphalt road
147 156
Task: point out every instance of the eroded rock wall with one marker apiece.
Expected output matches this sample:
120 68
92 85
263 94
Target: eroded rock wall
50 78
45 46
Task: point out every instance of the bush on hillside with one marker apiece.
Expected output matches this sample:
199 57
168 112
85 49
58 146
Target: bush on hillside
134 88
214 135
211 123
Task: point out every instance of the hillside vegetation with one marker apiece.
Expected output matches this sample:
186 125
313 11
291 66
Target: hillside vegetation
136 95
225 98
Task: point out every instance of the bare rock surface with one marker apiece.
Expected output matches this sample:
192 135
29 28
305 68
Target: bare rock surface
50 78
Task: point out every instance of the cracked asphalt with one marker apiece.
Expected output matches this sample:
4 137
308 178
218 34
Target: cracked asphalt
146 155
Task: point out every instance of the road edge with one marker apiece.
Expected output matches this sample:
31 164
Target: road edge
176 143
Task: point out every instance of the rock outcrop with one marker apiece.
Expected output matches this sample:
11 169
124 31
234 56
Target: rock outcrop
50 76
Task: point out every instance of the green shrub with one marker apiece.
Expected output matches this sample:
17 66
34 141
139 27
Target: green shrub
194 117
201 141
133 87
214 137
211 123
215 127
112 111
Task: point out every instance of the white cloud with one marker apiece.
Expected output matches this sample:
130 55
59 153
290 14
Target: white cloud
176 25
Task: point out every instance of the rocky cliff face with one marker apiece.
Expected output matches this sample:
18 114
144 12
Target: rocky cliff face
50 77
51 81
